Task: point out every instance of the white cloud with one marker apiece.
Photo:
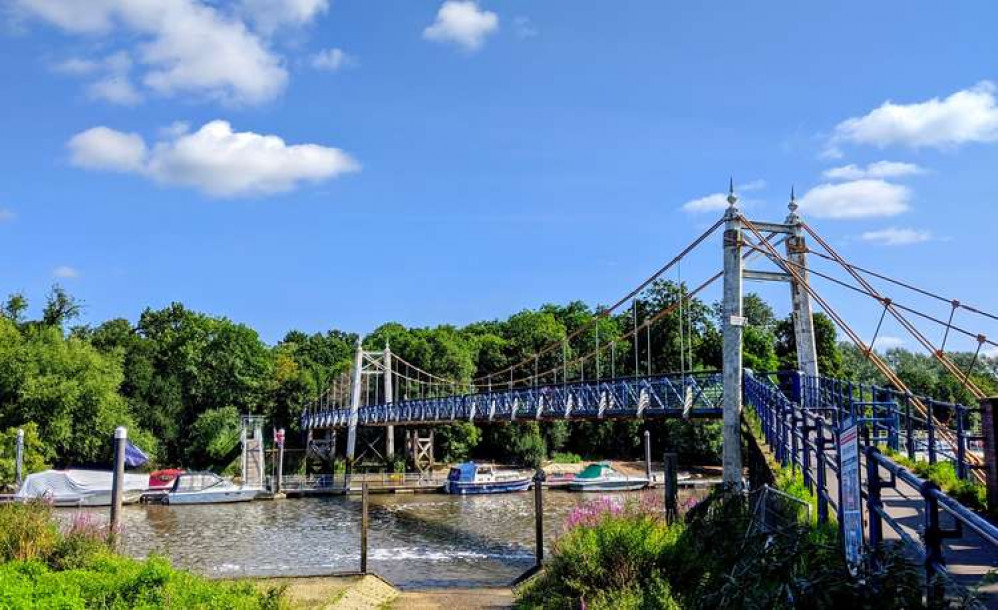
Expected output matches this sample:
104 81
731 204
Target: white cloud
894 236
970 115
719 201
174 129
525 28
115 89
331 60
270 15
65 272
463 23
880 169
7 215
857 199
886 342
76 66
214 159
183 46
106 149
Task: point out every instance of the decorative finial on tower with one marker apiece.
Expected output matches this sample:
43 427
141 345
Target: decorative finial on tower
793 201
732 198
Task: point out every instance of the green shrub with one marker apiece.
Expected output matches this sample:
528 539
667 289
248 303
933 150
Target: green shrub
610 557
564 457
27 531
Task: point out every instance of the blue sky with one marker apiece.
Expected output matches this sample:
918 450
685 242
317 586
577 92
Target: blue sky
312 164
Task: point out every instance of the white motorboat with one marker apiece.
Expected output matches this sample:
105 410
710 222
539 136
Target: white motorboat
602 477
208 488
71 488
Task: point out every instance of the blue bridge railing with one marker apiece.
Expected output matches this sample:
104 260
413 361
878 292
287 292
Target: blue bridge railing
804 436
675 395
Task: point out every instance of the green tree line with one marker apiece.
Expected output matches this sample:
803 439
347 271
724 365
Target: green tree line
180 379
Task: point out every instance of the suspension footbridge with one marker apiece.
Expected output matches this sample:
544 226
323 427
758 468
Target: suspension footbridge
802 411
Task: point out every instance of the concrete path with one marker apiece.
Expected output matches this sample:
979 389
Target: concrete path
452 599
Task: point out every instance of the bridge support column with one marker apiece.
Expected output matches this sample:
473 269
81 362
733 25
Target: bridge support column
732 325
389 399
355 387
807 352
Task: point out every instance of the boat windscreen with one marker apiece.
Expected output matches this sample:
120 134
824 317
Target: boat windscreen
592 471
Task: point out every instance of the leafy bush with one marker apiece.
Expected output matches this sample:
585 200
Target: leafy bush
27 531
564 457
37 455
943 474
610 557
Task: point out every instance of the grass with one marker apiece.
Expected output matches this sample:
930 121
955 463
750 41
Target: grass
966 492
45 566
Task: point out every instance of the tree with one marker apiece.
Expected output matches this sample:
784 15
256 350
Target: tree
60 307
37 454
14 308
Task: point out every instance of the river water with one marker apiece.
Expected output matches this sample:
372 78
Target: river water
414 540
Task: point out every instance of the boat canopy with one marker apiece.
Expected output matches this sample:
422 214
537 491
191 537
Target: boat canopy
72 485
463 472
595 471
196 481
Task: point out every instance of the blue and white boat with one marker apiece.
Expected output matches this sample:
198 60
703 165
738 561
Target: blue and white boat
602 477
472 478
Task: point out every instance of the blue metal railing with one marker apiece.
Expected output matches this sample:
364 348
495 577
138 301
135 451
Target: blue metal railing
805 436
675 395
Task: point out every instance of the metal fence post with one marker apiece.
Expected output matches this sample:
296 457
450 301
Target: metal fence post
961 444
822 491
873 501
19 459
648 456
539 478
909 427
805 431
933 537
363 527
990 449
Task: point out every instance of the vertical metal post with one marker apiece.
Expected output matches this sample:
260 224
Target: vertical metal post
873 501
19 459
820 464
930 420
988 423
933 537
363 527
117 484
671 463
909 428
279 475
732 325
355 387
389 399
807 353
648 456
539 478
961 444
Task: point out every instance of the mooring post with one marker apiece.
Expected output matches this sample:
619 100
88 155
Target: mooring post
19 458
117 483
279 475
363 528
539 478
671 464
732 323
988 422
648 456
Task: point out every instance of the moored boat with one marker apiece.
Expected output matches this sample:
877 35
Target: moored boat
602 477
471 478
79 487
207 488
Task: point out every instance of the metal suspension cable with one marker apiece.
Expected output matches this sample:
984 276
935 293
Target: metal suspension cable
878 363
937 353
956 303
440 380
606 312
981 338
658 316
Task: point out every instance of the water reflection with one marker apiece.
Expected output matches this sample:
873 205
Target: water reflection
414 540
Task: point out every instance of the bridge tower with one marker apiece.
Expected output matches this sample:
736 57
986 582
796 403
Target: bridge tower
369 364
733 322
